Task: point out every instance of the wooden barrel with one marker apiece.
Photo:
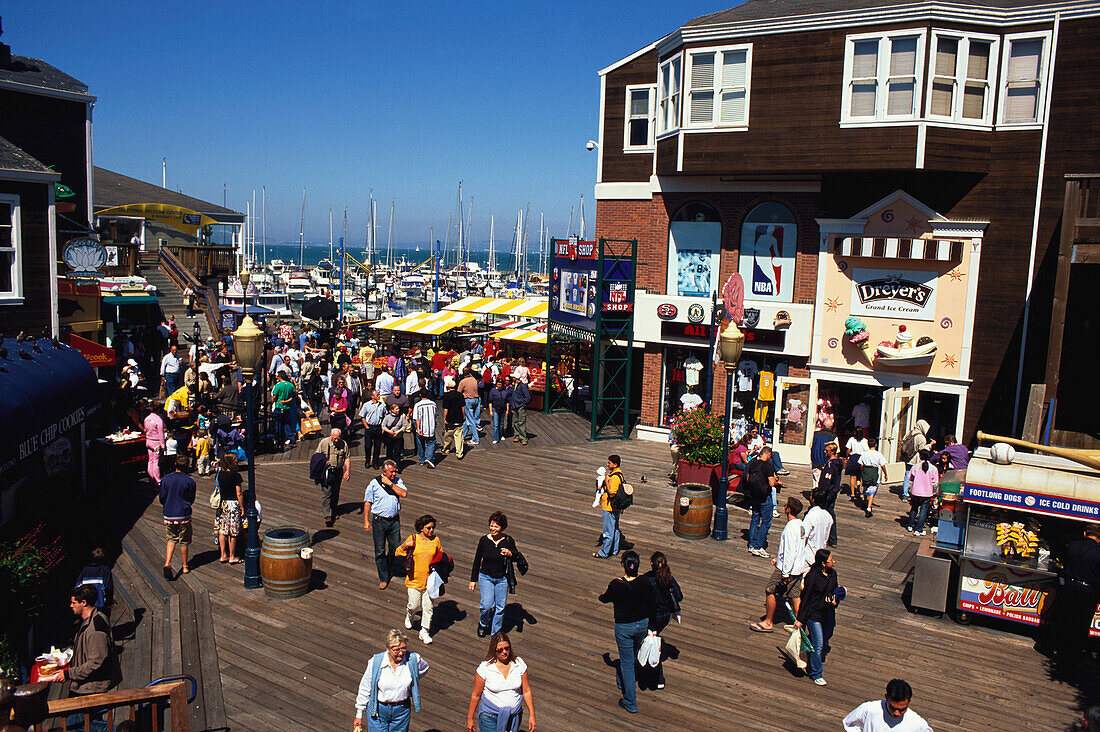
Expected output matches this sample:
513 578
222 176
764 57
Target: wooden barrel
284 572
693 511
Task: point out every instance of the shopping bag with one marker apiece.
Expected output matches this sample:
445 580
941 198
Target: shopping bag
435 584
649 653
793 649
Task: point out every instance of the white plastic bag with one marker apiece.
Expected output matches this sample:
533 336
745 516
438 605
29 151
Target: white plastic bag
794 649
435 583
649 654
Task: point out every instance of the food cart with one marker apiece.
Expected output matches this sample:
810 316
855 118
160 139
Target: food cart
998 541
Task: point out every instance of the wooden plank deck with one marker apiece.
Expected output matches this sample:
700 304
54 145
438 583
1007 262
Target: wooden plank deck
297 663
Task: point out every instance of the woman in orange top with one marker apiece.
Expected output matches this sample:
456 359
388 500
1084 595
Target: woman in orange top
426 551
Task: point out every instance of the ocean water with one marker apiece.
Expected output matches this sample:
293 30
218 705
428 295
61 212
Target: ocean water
314 253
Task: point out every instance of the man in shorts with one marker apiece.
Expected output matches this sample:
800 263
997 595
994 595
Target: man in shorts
791 566
871 463
177 493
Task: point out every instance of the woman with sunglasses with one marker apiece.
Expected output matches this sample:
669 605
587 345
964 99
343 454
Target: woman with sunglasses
390 688
500 690
426 550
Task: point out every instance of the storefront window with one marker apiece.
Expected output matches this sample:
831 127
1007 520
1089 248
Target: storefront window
769 241
687 372
792 421
694 249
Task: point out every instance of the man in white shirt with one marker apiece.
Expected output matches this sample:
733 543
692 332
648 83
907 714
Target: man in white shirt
818 525
170 367
889 714
384 382
791 566
424 415
412 385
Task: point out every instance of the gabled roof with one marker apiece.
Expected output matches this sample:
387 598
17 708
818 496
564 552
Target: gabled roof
775 9
38 76
115 189
17 160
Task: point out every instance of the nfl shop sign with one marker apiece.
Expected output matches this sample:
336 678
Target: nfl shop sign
666 311
574 249
618 298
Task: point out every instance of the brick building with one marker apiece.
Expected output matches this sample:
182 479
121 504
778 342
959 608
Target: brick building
853 160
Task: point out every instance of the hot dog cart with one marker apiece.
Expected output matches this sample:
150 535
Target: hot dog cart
996 549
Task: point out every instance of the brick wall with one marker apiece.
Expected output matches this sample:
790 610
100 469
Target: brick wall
648 222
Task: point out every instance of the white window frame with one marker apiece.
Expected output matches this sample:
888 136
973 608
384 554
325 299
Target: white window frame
962 56
672 63
1044 76
882 77
717 87
15 297
651 142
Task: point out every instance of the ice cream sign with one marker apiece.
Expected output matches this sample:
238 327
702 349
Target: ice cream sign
894 293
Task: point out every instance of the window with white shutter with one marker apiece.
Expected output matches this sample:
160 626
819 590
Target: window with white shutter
640 110
11 270
668 89
962 71
718 87
1024 73
883 73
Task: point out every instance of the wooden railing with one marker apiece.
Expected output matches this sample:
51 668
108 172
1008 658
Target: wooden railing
127 259
205 297
116 706
203 260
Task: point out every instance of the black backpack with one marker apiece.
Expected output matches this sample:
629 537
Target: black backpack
623 498
756 485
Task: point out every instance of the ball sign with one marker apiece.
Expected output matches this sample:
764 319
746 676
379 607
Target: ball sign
1002 453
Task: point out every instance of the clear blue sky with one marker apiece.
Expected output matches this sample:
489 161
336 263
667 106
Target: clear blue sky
406 99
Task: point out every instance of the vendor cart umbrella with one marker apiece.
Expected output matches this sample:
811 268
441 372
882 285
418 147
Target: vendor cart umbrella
320 308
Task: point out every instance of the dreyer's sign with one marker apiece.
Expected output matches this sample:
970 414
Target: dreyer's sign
885 293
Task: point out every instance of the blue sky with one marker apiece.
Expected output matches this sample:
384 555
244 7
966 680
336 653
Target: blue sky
406 99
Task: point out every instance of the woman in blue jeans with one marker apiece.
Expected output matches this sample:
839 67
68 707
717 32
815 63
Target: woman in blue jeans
817 611
488 574
635 611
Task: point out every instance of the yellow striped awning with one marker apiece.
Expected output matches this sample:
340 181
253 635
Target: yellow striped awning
426 323
520 308
521 334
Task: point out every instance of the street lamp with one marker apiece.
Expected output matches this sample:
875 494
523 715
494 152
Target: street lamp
248 343
730 342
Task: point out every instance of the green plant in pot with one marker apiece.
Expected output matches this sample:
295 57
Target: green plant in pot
698 435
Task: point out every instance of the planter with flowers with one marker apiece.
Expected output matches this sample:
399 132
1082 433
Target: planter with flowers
698 437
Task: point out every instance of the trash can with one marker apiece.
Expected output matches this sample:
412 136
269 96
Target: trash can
692 513
285 572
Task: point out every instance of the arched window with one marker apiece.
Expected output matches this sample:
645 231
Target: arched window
694 248
769 240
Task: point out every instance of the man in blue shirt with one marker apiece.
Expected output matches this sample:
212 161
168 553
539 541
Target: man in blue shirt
372 414
382 517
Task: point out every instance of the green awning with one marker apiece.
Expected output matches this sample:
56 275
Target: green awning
129 299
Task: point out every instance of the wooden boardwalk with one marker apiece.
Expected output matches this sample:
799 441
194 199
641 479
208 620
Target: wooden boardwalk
296 664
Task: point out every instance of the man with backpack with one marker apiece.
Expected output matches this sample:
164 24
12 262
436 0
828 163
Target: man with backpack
759 480
612 505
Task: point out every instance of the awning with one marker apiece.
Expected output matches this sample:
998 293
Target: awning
521 334
519 308
95 354
252 309
42 395
935 250
426 323
129 299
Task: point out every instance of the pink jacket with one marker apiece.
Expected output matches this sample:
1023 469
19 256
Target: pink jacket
923 483
154 430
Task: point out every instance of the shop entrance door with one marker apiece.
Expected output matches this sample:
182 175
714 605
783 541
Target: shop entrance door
899 415
791 430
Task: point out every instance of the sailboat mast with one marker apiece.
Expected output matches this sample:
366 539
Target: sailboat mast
492 247
459 257
389 237
343 262
330 234
263 230
584 233
302 231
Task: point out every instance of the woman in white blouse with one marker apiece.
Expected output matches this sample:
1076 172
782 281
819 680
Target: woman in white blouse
500 690
390 688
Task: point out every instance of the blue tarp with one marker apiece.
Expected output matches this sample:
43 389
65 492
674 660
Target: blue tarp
252 309
42 396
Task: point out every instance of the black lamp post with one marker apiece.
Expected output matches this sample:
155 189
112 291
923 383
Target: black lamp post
730 342
248 346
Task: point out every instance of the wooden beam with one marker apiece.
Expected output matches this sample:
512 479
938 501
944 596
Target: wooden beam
1033 417
1070 208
